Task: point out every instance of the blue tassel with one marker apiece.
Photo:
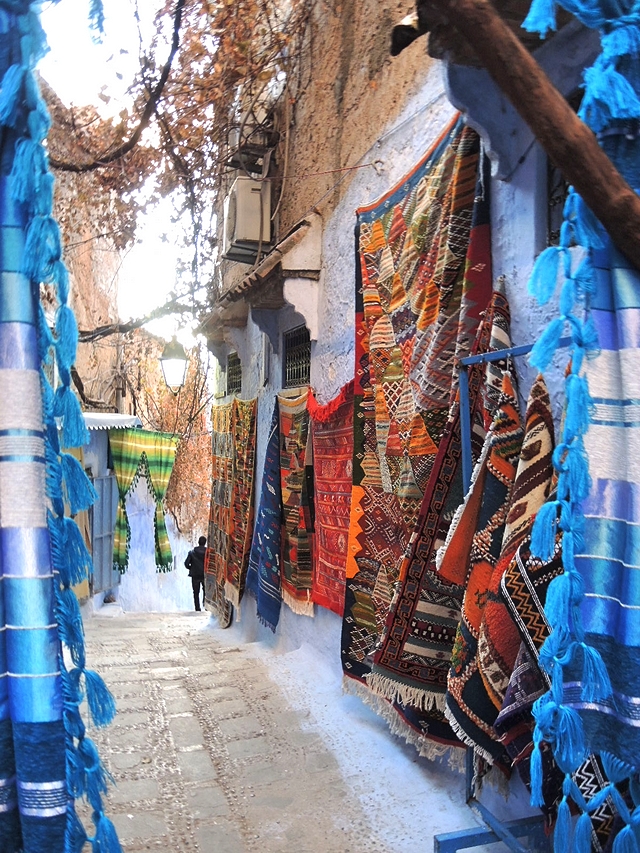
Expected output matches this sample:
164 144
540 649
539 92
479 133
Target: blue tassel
544 276
588 339
11 102
596 684
585 276
41 249
582 835
543 535
579 405
67 407
43 202
562 832
555 645
70 624
541 17
622 41
615 768
569 748
625 841
589 232
535 771
95 774
567 296
547 344
75 835
28 168
101 703
75 774
79 488
67 336
578 470
38 124
60 278
612 91
556 607
68 551
106 840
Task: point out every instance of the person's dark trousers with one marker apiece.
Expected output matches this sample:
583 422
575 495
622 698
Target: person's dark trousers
197 585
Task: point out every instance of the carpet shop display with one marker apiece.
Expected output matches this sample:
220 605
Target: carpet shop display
411 663
263 575
142 453
418 305
332 438
592 654
46 760
469 559
296 485
219 529
243 434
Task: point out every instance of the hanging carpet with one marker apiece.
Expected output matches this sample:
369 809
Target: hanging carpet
420 288
498 640
468 707
263 575
219 531
243 434
295 479
411 665
136 453
332 437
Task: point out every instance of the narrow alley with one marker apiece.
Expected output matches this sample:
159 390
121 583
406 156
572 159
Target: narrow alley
212 750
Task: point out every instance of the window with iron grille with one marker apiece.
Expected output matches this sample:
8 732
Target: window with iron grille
234 374
296 345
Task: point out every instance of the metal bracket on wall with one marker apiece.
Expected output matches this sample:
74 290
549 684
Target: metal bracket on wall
532 827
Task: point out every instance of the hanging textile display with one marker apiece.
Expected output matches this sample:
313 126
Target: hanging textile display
243 434
296 535
498 639
137 453
410 666
46 760
418 305
218 534
593 607
263 575
332 437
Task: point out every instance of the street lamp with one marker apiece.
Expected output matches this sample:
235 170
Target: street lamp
174 362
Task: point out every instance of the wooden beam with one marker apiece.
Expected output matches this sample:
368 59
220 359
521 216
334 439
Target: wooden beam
570 144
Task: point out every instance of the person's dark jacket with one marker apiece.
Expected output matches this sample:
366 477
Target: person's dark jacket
195 562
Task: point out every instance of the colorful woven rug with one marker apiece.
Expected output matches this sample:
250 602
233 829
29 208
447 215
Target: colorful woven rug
418 304
142 453
296 535
332 436
243 431
498 641
410 668
263 575
218 538
468 707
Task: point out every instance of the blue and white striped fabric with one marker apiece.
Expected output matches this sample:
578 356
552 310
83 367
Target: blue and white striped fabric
609 562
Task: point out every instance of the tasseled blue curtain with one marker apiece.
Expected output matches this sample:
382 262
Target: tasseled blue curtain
46 761
593 652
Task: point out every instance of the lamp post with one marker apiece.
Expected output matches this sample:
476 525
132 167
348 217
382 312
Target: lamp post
174 362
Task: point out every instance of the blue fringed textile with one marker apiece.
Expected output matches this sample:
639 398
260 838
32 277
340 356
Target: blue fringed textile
593 652
43 743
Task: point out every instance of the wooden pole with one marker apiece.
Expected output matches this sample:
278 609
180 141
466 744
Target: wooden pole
569 143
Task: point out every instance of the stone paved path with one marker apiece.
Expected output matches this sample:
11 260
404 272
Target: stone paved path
206 752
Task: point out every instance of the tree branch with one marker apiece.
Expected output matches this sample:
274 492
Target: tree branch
171 307
150 107
570 144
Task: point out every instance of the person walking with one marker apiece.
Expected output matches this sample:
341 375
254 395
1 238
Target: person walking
195 564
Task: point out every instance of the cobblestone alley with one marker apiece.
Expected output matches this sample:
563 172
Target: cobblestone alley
209 755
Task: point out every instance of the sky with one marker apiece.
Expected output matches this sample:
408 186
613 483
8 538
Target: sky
83 72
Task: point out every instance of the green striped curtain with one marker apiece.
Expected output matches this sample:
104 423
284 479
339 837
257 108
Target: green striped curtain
138 453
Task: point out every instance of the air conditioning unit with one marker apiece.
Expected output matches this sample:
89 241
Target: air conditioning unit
243 218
